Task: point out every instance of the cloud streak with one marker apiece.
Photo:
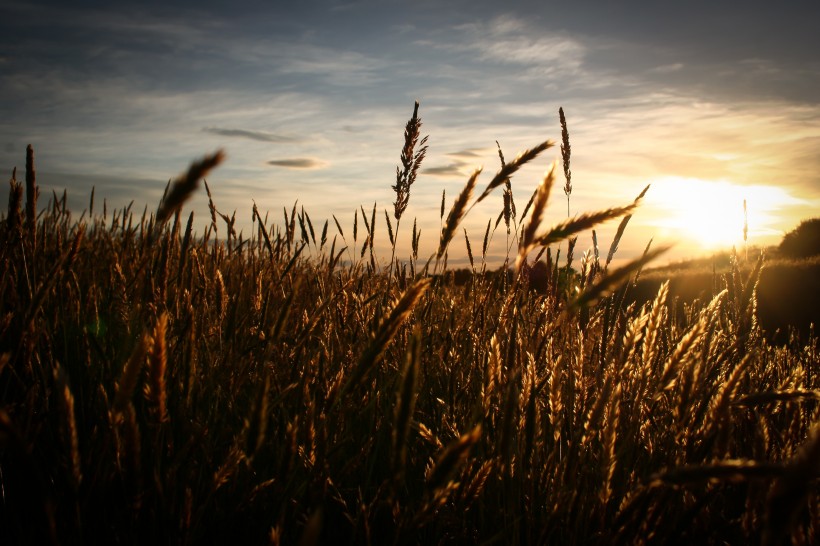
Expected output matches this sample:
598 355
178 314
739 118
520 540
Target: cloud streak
252 135
307 163
446 171
468 154
462 165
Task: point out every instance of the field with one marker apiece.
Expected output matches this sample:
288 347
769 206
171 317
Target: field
786 301
163 387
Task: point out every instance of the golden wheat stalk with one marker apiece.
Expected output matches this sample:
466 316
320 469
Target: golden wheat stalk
130 375
726 470
668 377
719 410
406 402
457 213
770 397
613 248
386 332
539 202
566 152
474 488
654 326
469 250
509 421
531 411
556 405
157 366
228 468
609 282
14 220
789 491
632 337
581 223
411 160
257 421
69 425
608 439
389 228
510 168
568 228
451 459
185 185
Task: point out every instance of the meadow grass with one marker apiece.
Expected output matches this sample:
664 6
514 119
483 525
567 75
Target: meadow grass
157 386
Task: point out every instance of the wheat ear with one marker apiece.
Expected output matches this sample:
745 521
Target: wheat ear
185 185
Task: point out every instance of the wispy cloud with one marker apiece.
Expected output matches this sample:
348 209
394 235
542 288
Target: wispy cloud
463 163
667 68
298 163
468 154
507 40
447 171
512 41
252 135
337 67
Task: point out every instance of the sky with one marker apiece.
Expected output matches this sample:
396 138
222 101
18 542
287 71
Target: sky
710 103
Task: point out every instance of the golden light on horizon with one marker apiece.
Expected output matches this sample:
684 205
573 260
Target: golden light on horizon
710 213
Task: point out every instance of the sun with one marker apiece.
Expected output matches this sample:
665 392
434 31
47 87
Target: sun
712 214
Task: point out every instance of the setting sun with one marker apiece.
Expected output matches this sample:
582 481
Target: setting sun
711 213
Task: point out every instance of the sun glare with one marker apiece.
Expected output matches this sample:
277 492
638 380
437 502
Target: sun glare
711 213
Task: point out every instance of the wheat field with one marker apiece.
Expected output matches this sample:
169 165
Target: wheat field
167 387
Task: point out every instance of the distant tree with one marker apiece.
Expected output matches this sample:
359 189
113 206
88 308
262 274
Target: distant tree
803 241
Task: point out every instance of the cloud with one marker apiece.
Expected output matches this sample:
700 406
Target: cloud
252 135
461 167
298 163
333 65
667 68
446 171
508 40
469 153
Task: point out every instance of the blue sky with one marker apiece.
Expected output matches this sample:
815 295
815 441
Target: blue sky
710 104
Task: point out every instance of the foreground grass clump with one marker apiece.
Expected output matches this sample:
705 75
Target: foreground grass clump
159 387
